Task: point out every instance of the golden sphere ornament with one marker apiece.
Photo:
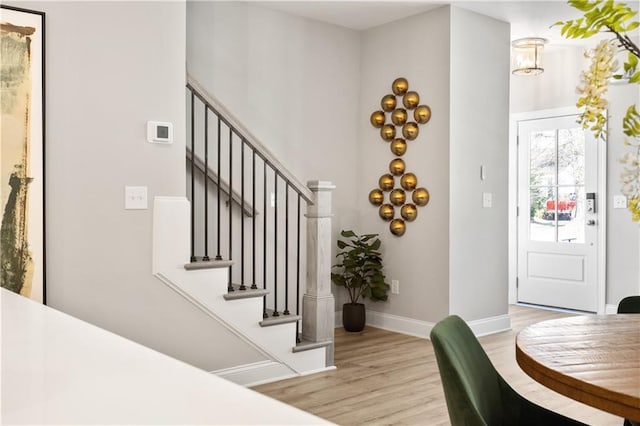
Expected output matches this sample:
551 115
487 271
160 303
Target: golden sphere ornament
409 181
388 103
410 100
420 196
388 132
376 197
397 197
410 130
399 116
398 227
386 182
400 86
377 119
396 167
409 212
422 114
398 147
386 212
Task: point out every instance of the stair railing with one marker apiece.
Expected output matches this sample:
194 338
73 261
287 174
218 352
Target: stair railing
241 194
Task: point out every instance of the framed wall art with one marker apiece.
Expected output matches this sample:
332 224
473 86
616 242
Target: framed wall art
22 231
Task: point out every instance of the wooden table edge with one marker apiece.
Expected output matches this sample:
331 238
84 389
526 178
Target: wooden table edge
574 389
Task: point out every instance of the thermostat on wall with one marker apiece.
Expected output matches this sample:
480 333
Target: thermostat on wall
158 132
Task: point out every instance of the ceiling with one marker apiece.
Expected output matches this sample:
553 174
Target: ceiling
527 18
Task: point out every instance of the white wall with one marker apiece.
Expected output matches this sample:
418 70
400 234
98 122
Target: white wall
111 66
416 48
292 82
556 89
479 137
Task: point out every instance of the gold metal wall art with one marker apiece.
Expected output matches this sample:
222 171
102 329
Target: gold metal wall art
398 227
376 197
398 147
420 196
422 114
409 212
386 212
377 119
399 116
396 167
397 197
386 182
388 132
408 181
387 120
410 130
400 86
410 100
388 103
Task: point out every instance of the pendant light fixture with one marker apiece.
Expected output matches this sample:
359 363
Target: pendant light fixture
527 56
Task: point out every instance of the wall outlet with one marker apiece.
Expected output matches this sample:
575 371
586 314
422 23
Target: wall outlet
135 198
395 287
487 199
619 202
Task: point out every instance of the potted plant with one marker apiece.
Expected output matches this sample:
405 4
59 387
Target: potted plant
360 271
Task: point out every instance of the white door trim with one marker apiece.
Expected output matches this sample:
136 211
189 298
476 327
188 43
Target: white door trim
513 202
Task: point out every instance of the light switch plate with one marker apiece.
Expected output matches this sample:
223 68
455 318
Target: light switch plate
135 197
487 199
619 202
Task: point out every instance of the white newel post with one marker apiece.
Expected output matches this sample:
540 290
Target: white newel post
318 304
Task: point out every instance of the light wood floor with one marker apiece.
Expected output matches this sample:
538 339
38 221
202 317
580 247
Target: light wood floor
386 378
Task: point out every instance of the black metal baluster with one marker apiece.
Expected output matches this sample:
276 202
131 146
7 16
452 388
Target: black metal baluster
242 286
298 274
206 184
264 241
230 236
275 244
286 250
253 221
193 174
219 171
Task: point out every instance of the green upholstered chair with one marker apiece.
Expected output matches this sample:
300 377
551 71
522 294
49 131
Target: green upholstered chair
475 393
629 305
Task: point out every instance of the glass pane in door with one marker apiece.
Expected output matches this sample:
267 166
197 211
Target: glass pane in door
571 156
542 158
571 215
542 213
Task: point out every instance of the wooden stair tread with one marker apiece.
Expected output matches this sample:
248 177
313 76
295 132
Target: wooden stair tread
281 319
244 294
207 264
307 345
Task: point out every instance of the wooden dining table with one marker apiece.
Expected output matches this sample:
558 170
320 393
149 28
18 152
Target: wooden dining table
594 359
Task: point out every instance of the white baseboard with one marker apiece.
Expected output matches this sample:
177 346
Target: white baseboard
422 329
256 373
610 309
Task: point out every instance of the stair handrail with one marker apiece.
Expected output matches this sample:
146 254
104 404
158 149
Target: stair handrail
230 120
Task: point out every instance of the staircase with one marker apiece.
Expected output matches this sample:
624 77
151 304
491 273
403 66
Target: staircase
235 248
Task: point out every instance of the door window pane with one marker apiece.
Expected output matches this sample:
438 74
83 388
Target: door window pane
571 214
542 157
542 213
571 157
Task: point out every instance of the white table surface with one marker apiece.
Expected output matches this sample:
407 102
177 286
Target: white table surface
56 369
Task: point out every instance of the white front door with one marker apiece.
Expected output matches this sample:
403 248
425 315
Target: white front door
558 214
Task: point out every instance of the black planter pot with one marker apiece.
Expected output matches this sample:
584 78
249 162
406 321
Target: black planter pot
353 316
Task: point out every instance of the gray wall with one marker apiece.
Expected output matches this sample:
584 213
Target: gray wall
419 259
111 67
556 89
479 136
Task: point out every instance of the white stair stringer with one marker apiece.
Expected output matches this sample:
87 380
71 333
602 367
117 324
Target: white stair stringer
205 288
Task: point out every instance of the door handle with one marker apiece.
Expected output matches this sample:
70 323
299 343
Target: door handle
591 222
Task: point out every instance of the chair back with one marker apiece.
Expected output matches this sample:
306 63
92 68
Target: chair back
629 305
471 383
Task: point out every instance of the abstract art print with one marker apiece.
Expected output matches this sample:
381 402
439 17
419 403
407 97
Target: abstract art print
22 260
